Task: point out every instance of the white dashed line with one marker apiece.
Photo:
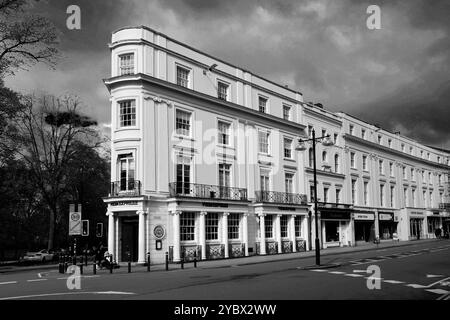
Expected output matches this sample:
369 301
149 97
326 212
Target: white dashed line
37 280
337 272
10 282
319 270
393 281
438 291
354 275
416 286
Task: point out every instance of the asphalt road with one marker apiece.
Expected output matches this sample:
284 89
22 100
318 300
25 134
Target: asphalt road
419 271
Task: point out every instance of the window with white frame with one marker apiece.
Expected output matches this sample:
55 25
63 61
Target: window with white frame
222 90
233 226
286 112
391 169
126 64
404 173
411 150
262 103
268 226
382 202
127 113
325 194
381 167
311 157
336 163
390 143
325 157
431 199
352 160
183 76
127 170
187 226
430 181
224 175
352 129
298 226
183 175
364 161
310 129
284 226
263 139
414 203
183 123
224 132
413 176
336 139
289 182
424 196
288 148
311 192
405 196
392 196
264 176
380 139
338 195
353 191
366 193
212 226
403 147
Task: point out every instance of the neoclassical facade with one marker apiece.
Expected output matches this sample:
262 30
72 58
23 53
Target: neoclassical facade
204 162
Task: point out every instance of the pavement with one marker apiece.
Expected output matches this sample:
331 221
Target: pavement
256 259
418 270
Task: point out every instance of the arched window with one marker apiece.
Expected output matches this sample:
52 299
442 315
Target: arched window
324 156
336 163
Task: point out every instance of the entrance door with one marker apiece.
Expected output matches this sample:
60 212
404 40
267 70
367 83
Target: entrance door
130 238
364 231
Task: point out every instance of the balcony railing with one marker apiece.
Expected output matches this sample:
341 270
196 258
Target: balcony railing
281 197
444 206
126 188
205 191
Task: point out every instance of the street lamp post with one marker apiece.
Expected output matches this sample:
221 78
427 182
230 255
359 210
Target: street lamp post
301 147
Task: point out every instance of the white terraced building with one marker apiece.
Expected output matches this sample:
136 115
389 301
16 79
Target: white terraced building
203 161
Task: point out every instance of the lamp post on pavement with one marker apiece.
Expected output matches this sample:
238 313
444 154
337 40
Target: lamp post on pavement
327 142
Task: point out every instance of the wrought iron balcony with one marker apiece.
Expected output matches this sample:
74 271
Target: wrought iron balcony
281 197
125 188
334 205
205 191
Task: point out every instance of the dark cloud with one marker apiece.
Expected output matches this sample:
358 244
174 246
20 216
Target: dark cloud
397 76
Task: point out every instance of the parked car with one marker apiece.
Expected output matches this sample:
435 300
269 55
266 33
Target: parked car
39 256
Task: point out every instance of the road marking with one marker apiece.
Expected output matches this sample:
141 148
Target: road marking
434 275
91 276
359 271
353 275
66 294
62 278
319 270
416 286
36 280
337 272
437 291
393 281
10 282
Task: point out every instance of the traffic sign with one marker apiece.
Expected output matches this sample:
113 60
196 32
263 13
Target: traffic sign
74 221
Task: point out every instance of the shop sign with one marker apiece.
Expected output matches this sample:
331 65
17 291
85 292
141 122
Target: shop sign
364 216
385 217
335 215
417 213
124 203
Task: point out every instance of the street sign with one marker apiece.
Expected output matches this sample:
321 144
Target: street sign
74 223
85 228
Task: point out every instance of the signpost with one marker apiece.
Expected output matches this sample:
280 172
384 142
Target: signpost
74 221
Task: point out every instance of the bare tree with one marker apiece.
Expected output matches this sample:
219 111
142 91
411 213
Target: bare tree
24 39
49 130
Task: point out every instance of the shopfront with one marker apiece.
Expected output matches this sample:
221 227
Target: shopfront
387 226
416 225
364 227
434 222
336 228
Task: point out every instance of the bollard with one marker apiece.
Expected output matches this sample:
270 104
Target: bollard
195 259
148 261
129 263
94 266
111 265
182 261
81 268
74 260
167 261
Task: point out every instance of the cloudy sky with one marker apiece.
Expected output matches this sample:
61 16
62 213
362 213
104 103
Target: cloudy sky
397 77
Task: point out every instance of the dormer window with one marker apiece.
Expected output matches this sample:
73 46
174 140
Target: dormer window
126 64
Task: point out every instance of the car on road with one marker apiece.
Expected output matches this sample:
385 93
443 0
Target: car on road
39 256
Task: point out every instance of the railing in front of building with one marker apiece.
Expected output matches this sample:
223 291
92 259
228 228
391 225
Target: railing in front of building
213 251
281 197
334 205
204 191
125 188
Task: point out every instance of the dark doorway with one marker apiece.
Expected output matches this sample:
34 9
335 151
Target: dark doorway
129 238
364 231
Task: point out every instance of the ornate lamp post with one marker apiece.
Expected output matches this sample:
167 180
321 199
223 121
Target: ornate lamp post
327 142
